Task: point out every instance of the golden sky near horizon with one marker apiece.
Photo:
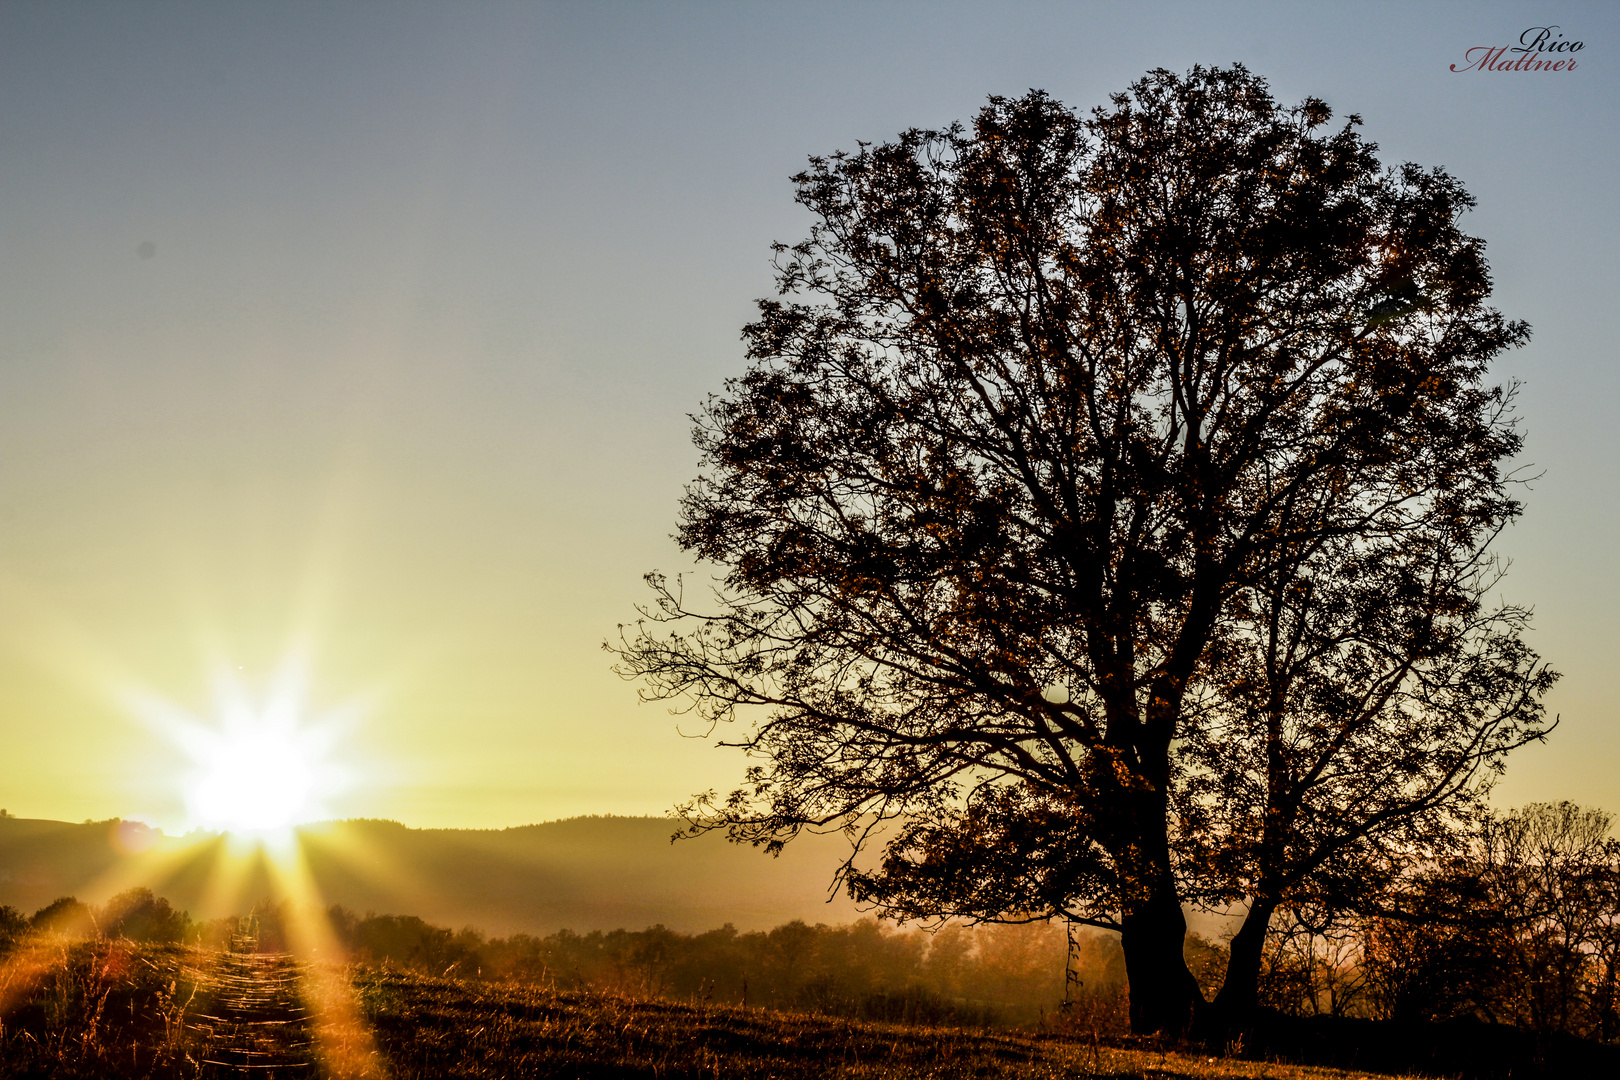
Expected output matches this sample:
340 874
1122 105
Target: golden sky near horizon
357 342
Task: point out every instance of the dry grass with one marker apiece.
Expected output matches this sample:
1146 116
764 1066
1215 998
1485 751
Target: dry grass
428 1027
100 1009
115 1010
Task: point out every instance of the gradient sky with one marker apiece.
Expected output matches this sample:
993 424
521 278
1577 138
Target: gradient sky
369 331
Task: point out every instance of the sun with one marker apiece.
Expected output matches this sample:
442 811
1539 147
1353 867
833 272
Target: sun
263 767
256 779
260 765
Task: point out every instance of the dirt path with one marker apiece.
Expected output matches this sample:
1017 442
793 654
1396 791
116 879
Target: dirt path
255 1021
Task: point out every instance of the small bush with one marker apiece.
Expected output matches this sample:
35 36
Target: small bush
64 916
12 928
140 916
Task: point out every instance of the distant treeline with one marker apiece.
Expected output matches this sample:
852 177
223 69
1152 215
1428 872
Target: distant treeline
958 975
984 975
137 915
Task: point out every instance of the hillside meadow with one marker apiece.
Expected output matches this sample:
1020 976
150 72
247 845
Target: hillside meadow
117 1010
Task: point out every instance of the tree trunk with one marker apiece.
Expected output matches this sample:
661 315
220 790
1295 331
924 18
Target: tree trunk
1164 995
1234 1006
1165 998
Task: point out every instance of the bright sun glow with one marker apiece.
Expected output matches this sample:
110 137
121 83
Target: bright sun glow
253 781
261 766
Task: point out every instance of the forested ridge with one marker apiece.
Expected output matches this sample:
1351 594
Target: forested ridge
586 873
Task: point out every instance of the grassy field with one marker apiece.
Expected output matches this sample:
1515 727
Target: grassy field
116 1010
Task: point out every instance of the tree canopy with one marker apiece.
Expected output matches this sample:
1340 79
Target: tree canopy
1106 506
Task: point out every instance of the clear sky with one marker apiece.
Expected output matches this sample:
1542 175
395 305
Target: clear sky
366 333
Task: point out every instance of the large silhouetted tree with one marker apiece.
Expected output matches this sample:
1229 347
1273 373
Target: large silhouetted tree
1106 508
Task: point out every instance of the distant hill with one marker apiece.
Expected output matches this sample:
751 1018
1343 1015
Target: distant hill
588 873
